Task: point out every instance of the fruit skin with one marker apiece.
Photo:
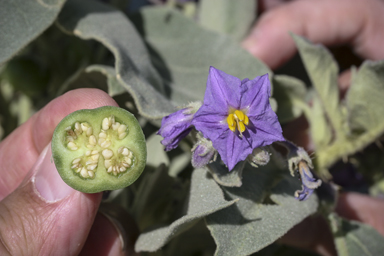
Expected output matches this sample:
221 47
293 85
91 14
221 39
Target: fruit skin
63 156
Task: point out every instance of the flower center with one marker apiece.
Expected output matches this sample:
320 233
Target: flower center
237 120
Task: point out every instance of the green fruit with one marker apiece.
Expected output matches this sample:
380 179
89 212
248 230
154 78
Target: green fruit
99 149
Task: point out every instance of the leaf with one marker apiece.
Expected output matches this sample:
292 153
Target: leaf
94 20
114 87
290 94
354 238
320 130
182 52
365 99
156 154
323 71
224 177
205 197
233 18
22 21
266 210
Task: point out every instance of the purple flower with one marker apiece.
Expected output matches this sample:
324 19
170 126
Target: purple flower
309 182
177 125
236 116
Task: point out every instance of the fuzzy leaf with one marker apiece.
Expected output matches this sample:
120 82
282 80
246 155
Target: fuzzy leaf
233 18
22 21
224 177
354 238
205 198
114 87
323 71
182 51
94 20
365 99
289 93
266 210
320 130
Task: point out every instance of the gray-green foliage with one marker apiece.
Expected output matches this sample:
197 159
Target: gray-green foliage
205 197
233 18
353 238
22 21
266 210
341 129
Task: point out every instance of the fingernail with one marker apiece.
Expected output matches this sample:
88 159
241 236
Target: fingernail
47 180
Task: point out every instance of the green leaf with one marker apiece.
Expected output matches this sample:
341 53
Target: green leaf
290 94
323 71
94 20
354 238
22 21
205 197
266 210
183 51
365 99
114 86
233 18
155 151
224 177
320 130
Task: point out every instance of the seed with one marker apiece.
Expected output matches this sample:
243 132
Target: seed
68 128
91 167
107 163
109 169
128 160
122 128
89 162
122 169
130 154
111 119
115 126
94 152
105 144
102 135
90 146
91 174
78 170
101 140
92 140
84 172
76 160
89 131
107 153
84 126
125 152
95 157
72 146
88 153
105 124
77 126
69 138
122 135
74 166
125 164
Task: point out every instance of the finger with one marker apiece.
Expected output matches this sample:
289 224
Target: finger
358 22
19 151
44 215
265 5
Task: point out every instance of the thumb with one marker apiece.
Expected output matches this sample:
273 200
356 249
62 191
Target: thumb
44 216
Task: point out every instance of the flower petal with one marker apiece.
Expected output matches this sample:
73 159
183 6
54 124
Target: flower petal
256 95
223 90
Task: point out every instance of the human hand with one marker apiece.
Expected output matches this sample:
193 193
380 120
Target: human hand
358 23
39 213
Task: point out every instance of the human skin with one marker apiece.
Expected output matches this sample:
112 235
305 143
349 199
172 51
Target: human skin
39 213
357 23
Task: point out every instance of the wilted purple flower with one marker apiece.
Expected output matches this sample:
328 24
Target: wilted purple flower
203 153
177 125
309 182
236 116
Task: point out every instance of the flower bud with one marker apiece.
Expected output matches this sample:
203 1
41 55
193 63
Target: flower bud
203 153
259 156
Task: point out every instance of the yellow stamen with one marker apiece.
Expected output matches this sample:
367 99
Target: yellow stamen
237 120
